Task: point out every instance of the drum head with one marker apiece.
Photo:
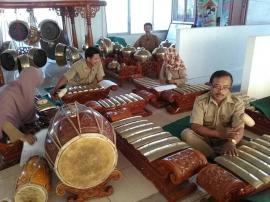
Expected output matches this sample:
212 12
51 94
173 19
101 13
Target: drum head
86 161
31 192
18 30
49 30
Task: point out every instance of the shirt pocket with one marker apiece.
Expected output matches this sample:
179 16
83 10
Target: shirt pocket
225 120
208 120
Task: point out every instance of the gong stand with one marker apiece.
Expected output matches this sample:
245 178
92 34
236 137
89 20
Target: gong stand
2 80
69 8
82 195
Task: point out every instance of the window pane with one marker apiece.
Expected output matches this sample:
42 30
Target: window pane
117 16
190 15
162 14
141 11
180 10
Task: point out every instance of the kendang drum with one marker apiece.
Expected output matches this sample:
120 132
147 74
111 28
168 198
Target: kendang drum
34 182
80 145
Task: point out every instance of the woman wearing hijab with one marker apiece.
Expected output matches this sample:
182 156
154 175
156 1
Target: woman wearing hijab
173 70
18 106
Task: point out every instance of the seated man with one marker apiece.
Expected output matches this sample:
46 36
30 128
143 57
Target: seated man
148 41
173 70
83 72
216 124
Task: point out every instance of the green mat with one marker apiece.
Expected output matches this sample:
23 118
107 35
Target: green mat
263 105
259 197
176 127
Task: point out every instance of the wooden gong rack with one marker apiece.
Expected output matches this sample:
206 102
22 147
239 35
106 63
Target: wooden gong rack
65 8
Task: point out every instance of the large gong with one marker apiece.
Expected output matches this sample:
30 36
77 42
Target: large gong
18 30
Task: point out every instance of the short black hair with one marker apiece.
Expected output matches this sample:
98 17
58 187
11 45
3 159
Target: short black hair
148 24
220 73
91 51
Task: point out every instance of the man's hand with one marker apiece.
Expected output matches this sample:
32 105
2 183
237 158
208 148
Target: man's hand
229 149
31 139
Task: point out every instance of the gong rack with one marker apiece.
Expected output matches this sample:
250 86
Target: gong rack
65 8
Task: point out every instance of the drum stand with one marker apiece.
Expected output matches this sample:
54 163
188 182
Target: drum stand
82 195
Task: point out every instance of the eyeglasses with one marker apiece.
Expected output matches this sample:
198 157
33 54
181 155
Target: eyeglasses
218 87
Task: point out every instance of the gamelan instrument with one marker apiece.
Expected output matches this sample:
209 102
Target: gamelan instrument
34 181
238 176
2 79
8 60
124 72
182 98
10 154
85 93
131 101
262 122
80 146
162 158
18 30
178 100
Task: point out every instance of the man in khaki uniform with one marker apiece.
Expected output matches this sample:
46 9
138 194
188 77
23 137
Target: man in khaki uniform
148 41
83 72
216 126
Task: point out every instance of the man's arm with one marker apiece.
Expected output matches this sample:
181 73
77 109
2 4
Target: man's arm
100 73
206 132
62 81
14 134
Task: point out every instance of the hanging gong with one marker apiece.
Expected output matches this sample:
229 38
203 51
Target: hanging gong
74 55
49 30
9 60
23 62
49 47
60 54
38 57
18 30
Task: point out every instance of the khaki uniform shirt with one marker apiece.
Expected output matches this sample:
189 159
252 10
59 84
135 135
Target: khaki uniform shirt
149 42
81 74
206 112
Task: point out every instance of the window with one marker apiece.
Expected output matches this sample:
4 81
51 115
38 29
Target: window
184 10
128 16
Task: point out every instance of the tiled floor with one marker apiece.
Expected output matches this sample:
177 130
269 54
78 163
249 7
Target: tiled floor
132 187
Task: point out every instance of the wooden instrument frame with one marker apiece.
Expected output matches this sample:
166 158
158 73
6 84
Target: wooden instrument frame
81 195
171 191
84 97
10 153
69 8
262 123
125 73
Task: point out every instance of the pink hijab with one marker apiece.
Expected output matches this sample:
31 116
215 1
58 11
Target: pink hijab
17 98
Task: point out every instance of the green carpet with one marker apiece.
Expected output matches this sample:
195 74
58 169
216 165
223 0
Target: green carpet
263 105
259 197
176 127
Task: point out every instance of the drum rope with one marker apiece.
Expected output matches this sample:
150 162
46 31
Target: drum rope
99 128
70 121
78 118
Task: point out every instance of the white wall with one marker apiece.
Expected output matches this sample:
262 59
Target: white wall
205 50
256 82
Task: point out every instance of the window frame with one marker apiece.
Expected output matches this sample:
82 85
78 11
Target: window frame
175 9
129 22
